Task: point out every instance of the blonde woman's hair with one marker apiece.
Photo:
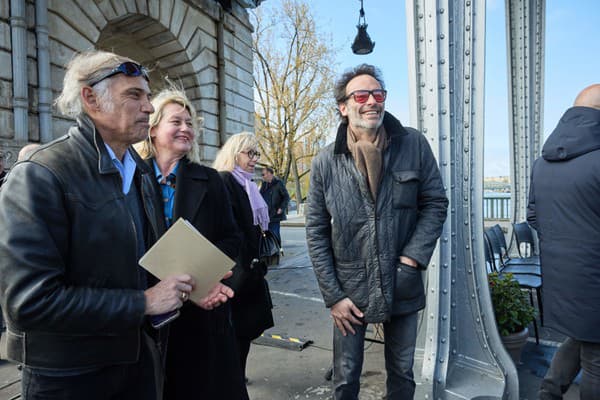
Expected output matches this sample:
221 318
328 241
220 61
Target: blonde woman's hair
165 97
227 156
82 69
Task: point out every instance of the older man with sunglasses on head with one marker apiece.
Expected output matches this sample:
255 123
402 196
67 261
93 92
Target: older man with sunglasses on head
375 210
76 216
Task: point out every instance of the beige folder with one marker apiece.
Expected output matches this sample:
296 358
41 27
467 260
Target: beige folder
184 250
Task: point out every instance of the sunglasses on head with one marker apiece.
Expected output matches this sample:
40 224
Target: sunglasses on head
128 68
361 96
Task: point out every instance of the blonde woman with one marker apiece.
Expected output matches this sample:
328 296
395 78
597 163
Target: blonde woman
202 357
252 304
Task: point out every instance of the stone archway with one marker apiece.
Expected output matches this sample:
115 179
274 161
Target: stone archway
175 38
153 45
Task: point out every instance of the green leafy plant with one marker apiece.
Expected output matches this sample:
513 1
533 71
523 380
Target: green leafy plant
511 306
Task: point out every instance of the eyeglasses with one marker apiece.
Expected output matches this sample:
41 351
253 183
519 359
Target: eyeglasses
361 96
252 154
128 68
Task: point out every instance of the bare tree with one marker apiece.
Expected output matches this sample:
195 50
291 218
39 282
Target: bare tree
293 81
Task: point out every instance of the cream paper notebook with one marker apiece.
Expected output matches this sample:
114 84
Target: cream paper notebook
184 250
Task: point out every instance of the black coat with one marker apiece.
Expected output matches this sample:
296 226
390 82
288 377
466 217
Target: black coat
564 207
71 287
202 358
252 304
276 196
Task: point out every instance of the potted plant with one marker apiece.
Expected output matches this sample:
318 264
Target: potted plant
513 312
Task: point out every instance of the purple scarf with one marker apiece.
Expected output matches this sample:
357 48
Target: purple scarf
260 210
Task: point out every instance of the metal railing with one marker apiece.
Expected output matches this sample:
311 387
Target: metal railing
496 205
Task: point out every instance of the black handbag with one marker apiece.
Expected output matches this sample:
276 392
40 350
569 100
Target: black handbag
269 245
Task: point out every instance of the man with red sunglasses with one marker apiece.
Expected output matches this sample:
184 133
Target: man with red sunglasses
76 216
375 210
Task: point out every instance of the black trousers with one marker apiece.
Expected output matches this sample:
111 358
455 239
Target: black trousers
137 381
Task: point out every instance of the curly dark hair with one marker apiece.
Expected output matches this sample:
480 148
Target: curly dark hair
339 90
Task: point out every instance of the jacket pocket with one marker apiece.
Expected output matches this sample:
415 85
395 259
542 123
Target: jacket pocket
405 190
353 280
409 294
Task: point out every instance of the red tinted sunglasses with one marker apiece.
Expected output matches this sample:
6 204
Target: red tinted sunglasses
128 68
361 96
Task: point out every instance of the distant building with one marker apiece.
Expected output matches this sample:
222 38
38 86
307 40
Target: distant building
205 45
497 184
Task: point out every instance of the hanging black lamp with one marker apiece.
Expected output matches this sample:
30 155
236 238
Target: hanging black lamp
362 42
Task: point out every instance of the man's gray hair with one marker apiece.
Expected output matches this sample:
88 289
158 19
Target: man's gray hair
82 69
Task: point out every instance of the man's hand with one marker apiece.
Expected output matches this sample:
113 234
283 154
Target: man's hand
168 294
345 314
408 261
218 295
279 211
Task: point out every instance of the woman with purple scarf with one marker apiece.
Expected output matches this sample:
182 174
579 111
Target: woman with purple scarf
251 306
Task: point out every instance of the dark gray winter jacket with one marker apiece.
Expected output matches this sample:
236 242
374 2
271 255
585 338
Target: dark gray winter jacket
355 243
564 207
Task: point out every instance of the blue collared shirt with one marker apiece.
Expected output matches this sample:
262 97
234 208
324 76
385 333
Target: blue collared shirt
126 168
167 187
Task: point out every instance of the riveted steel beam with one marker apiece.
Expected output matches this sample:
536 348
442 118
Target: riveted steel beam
463 357
525 20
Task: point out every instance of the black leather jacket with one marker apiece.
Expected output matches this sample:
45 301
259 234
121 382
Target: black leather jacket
70 288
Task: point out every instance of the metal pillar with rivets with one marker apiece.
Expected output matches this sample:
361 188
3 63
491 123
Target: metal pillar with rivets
463 356
525 26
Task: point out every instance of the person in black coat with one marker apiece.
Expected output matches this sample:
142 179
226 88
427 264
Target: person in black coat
564 208
202 360
252 304
277 198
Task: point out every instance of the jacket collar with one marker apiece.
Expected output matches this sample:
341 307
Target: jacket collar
89 132
191 188
393 127
105 163
577 133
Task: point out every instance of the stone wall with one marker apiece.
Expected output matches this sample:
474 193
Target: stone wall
175 38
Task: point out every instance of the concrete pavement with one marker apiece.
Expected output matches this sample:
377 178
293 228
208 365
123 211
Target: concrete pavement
277 373
299 312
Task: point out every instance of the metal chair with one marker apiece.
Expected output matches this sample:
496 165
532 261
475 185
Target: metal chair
525 241
526 281
524 274
516 265
490 264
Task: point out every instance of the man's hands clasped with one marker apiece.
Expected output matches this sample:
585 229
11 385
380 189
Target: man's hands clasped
170 294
